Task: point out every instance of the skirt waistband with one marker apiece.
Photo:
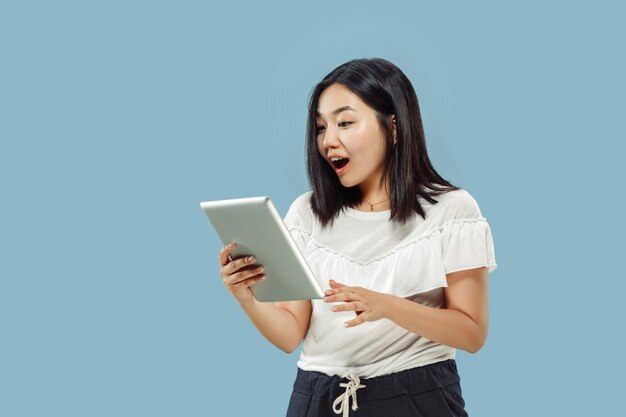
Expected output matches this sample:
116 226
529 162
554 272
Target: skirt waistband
410 381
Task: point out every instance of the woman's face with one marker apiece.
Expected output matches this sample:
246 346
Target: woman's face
348 128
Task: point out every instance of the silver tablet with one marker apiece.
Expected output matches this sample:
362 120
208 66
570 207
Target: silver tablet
257 228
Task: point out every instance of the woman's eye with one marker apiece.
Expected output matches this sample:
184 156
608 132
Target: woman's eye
341 124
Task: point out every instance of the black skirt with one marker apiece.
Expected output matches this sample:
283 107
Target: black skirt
432 390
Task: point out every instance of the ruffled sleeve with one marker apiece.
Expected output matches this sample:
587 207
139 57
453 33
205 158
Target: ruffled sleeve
466 237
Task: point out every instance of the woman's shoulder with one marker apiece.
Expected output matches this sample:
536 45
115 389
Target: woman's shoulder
458 204
302 203
299 213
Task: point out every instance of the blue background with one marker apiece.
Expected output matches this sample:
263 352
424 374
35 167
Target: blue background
118 118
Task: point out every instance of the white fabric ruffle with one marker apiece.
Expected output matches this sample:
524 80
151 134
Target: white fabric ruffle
416 266
467 244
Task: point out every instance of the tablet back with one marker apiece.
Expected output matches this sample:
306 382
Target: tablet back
257 228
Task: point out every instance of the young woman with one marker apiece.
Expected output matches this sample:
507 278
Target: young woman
405 253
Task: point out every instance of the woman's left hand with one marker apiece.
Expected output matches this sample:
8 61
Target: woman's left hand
368 305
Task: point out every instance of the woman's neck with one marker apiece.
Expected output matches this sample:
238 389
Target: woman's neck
375 200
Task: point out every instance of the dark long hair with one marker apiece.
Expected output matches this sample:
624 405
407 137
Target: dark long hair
386 89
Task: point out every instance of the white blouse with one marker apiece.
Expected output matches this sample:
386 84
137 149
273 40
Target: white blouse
411 261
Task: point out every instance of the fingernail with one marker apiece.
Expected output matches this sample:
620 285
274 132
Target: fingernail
328 292
250 258
230 245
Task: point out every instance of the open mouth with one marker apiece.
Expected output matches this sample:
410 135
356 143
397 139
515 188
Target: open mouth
340 163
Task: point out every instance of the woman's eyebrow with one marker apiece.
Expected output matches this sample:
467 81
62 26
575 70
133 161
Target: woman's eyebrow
336 111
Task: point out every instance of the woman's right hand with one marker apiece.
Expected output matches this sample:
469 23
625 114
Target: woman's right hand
238 275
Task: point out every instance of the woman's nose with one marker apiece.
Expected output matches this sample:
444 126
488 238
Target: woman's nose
331 138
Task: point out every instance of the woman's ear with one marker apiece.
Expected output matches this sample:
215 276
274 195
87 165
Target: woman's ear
393 127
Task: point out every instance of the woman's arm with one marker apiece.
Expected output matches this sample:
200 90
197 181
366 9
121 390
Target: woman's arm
284 324
462 324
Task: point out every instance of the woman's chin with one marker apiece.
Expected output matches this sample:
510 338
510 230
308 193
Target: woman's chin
346 182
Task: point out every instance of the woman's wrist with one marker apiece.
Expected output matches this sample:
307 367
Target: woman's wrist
388 303
248 305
